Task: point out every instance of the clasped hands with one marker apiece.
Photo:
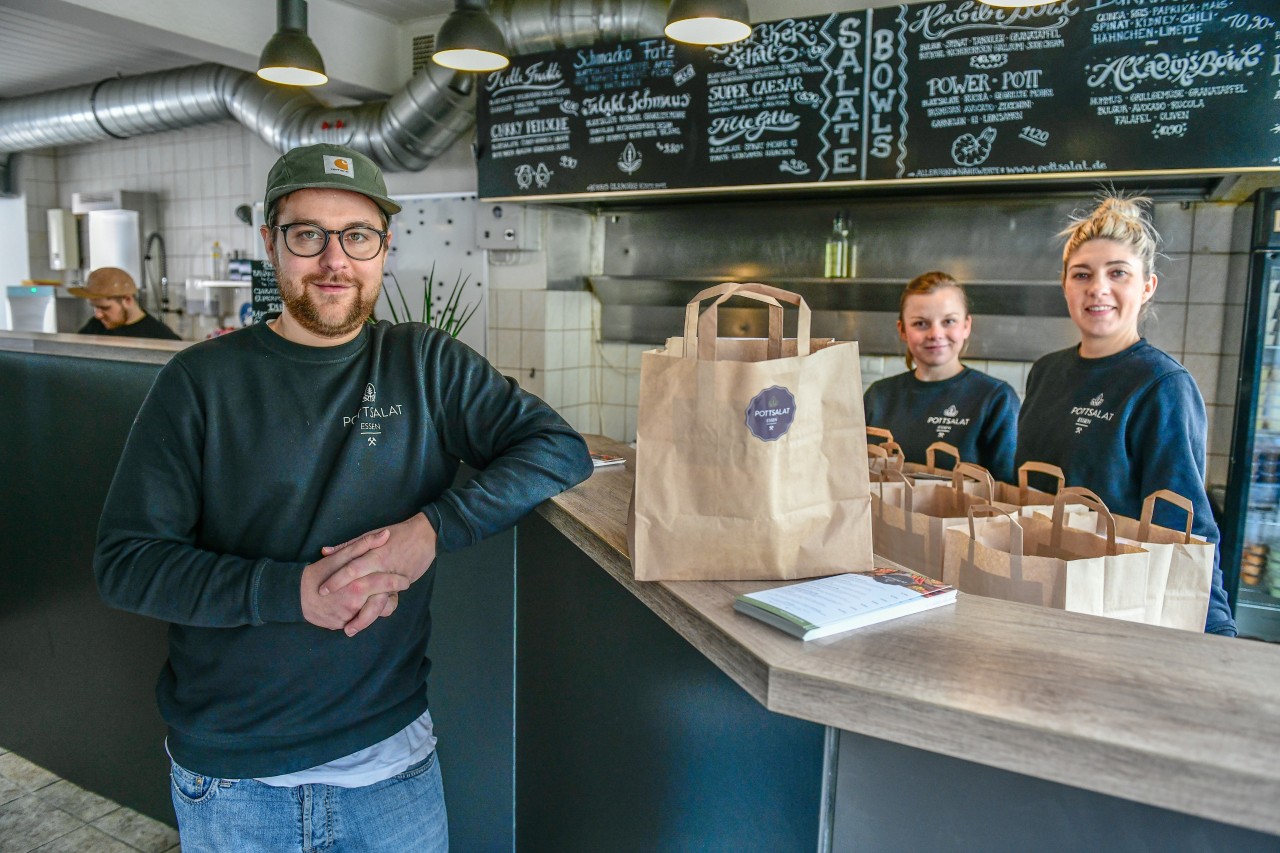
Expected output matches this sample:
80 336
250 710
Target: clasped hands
355 583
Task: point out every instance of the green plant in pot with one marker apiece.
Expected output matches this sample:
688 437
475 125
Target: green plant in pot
450 317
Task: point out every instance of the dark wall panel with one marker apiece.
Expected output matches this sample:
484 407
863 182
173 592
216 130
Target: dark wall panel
79 678
892 797
630 739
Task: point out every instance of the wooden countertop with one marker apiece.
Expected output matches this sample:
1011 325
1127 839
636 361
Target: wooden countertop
111 348
1172 719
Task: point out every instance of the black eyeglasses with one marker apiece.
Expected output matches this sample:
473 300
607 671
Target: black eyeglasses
360 242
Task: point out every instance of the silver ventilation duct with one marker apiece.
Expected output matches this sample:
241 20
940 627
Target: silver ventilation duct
404 133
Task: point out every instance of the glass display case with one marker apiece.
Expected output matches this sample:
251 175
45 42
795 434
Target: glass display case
1251 528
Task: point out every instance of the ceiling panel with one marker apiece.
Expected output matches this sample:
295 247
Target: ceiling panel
402 10
39 54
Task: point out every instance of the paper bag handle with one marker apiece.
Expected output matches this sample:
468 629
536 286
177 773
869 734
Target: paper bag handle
1015 529
1079 494
881 433
1148 508
890 453
701 332
908 491
804 320
972 472
1040 468
895 450
930 455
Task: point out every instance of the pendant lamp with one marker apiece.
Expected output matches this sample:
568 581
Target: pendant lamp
469 40
290 56
708 21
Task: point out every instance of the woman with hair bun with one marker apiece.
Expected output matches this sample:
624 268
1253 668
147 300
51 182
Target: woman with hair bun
939 399
1119 416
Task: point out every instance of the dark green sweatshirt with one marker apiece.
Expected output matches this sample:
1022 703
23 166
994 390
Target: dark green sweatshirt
248 455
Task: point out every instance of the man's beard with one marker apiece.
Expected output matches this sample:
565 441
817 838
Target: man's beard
303 307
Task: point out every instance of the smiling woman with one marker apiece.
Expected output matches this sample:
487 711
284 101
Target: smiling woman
940 399
1117 415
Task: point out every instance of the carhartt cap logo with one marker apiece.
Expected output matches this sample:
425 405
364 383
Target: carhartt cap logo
338 166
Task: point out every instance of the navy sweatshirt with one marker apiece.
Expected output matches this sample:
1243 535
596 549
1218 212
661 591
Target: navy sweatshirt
251 452
973 411
1125 426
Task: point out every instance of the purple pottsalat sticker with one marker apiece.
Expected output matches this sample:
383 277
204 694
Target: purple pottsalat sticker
770 413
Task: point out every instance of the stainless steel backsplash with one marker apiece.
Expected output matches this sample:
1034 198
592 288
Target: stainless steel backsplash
655 258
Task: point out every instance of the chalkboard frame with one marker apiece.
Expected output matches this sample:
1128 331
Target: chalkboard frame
673 117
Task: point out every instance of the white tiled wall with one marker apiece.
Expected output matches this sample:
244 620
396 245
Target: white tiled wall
200 176
39 177
543 339
1200 307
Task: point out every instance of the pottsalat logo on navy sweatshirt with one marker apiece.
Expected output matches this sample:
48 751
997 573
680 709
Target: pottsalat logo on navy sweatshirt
370 417
1086 415
948 419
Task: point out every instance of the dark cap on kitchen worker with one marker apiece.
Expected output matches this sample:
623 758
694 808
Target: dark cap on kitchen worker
106 283
328 166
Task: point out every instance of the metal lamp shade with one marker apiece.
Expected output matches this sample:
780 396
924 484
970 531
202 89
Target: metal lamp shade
290 56
708 21
469 40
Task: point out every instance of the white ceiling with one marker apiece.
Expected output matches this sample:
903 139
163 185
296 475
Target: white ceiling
51 44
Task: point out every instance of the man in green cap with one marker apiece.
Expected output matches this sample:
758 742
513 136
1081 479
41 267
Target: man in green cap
299 590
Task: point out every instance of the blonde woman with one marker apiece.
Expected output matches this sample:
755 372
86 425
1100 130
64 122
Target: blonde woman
1118 415
939 399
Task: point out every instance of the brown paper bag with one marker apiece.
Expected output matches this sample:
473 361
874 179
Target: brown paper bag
1044 561
751 457
909 519
1181 572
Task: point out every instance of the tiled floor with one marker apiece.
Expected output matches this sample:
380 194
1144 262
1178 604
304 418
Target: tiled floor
40 812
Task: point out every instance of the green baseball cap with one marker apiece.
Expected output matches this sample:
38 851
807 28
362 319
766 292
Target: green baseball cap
328 166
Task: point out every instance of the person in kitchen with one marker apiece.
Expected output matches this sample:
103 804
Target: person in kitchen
114 297
281 500
1116 414
938 398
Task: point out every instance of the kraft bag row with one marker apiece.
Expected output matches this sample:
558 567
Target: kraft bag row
753 463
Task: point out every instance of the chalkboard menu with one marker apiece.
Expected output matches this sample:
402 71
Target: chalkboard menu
265 295
925 91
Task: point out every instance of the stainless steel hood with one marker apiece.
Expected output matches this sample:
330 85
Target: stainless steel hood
1003 249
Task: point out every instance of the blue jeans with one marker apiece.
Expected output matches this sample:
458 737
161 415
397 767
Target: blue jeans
403 813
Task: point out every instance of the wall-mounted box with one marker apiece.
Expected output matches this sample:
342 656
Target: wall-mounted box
508 227
64 240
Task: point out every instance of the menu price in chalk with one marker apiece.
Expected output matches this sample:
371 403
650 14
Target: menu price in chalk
1091 86
265 293
936 90
591 119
